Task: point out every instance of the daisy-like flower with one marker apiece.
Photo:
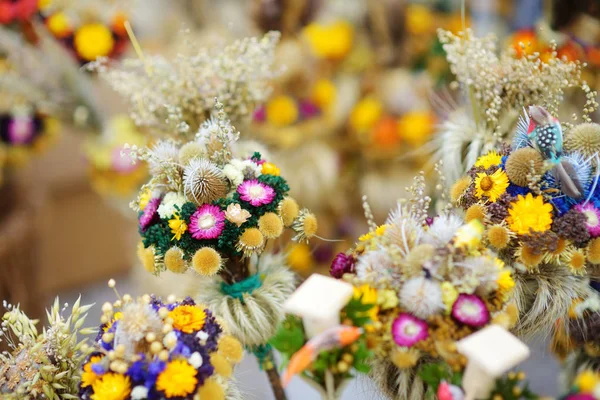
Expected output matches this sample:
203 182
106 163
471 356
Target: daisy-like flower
529 213
178 227
188 318
408 330
149 214
492 186
592 215
178 379
470 310
256 193
489 160
207 222
112 387
236 214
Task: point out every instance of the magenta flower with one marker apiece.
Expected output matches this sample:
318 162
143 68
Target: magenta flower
470 310
149 215
592 215
256 193
308 109
408 330
580 396
207 222
342 264
260 114
21 130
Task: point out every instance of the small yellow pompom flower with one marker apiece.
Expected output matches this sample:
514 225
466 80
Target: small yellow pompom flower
222 366
230 348
459 188
323 93
498 236
416 127
178 379
207 261
270 225
146 257
281 111
211 390
178 227
449 295
93 40
419 19
529 213
174 260
476 211
300 257
288 209
251 241
305 226
111 387
333 41
59 25
593 251
387 299
365 114
145 198
270 169
587 381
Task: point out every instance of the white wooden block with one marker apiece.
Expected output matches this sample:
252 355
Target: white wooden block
318 301
491 351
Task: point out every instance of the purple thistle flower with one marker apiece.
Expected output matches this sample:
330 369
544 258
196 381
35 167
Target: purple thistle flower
256 193
470 310
149 215
207 222
408 330
342 264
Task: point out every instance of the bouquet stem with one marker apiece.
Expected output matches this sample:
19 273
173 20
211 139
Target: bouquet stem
273 375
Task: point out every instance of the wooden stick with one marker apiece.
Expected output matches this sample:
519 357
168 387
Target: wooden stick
274 379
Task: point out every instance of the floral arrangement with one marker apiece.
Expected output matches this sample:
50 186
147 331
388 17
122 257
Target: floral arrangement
433 282
150 349
495 87
111 171
42 364
206 209
88 29
537 201
212 206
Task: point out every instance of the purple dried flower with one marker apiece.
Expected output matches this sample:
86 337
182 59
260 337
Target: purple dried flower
342 264
308 109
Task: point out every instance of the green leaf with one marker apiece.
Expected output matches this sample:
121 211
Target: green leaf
289 337
433 374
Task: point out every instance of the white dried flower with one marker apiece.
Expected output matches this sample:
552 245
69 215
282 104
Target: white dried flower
195 360
421 297
443 229
139 393
171 204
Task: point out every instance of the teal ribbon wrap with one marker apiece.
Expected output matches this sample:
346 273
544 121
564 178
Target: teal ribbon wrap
262 352
237 290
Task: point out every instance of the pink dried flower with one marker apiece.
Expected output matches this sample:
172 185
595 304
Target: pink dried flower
207 222
149 215
592 215
408 330
470 310
256 193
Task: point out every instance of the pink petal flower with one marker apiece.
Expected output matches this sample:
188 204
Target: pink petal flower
408 330
122 162
149 215
470 310
21 130
593 218
207 222
256 193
